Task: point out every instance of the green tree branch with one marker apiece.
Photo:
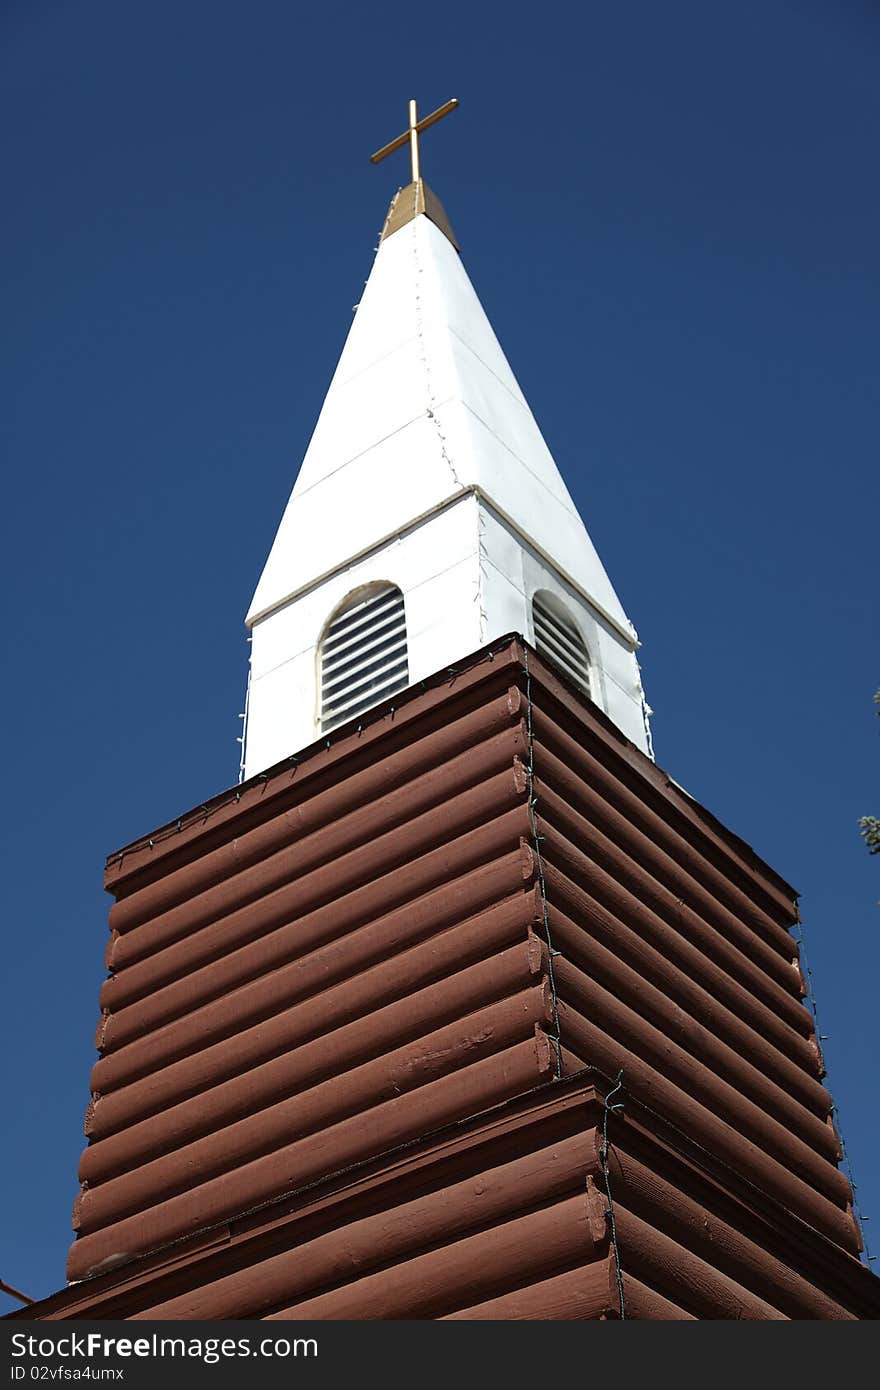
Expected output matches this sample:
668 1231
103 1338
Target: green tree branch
870 825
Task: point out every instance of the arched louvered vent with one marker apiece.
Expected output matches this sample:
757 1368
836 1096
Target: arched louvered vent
363 656
557 637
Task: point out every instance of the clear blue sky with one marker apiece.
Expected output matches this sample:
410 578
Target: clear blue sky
671 214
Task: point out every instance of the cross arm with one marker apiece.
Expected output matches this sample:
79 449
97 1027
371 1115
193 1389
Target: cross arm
421 125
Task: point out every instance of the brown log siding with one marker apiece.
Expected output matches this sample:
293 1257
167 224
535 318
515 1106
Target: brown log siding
327 967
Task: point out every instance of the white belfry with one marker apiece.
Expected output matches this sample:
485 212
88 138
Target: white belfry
426 474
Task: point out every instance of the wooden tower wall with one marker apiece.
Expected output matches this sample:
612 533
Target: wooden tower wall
364 1012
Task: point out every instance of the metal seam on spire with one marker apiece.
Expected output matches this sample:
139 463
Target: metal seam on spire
423 354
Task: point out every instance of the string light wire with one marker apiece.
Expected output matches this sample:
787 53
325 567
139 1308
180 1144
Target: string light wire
835 1109
609 1110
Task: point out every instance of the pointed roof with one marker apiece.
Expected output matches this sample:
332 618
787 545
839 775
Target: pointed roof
423 408
408 202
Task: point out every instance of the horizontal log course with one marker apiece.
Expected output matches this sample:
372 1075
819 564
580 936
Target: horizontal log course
756 960
577 776
316 966
308 808
566 712
689 978
652 1088
329 1054
325 1082
348 1009
465 1270
361 1137
362 1244
679 1274
578 852
644 1304
488 1029
590 967
275 942
282 888
585 1293
688 1072
328 863
259 799
692 1223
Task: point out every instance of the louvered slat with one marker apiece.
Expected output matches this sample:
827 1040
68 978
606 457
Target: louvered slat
343 630
378 673
365 654
557 637
363 657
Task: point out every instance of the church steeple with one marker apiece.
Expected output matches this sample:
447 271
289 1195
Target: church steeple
426 475
470 1012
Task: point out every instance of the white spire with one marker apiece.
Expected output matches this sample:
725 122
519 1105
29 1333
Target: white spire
426 471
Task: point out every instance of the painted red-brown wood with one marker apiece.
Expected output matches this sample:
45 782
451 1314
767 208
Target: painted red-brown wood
284 948
320 964
565 709
347 1009
369 1242
592 789
363 844
488 737
466 1091
225 982
578 852
644 1304
657 1048
585 1293
600 978
779 987
305 1108
719 1135
326 1057
468 1269
690 1222
356 875
679 1274
411 720
687 977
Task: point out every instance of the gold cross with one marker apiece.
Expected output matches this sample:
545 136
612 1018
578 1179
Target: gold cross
411 136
